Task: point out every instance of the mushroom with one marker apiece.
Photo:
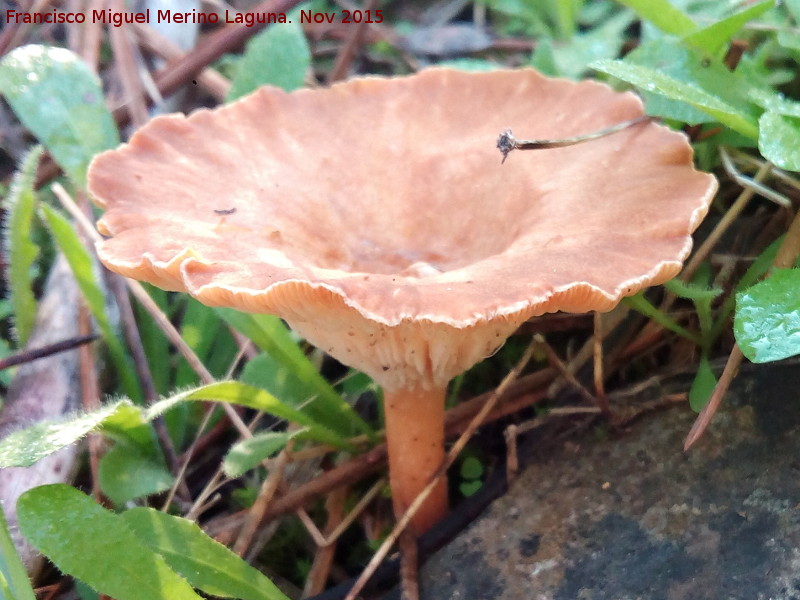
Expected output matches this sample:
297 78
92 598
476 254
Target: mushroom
375 218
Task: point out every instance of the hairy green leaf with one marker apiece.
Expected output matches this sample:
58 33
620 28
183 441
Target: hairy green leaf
205 563
59 99
14 583
21 251
95 545
24 447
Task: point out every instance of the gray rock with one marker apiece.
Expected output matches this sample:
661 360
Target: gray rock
634 517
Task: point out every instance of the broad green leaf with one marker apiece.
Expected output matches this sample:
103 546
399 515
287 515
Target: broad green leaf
651 80
96 546
272 336
702 386
248 454
277 56
204 562
767 320
571 57
663 15
24 447
82 268
20 250
127 474
58 98
14 583
234 392
716 36
779 140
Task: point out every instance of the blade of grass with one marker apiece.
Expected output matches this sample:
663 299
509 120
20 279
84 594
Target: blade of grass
20 250
81 264
272 336
14 583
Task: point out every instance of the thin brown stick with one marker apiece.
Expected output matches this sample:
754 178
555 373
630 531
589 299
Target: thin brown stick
452 455
256 513
724 223
90 396
127 69
506 142
26 356
348 50
599 379
323 558
218 43
785 258
209 79
559 365
92 34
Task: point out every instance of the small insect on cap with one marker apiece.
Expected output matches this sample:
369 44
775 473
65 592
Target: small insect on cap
375 217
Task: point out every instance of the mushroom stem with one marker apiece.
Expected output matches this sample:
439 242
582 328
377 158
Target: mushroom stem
415 440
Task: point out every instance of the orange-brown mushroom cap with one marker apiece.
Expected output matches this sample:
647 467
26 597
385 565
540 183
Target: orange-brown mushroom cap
376 219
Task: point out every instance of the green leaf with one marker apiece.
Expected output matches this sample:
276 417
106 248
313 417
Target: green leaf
468 488
272 336
663 15
471 468
58 98
14 583
265 372
691 291
205 563
95 545
24 447
200 329
640 304
571 58
278 56
126 474
248 454
128 426
82 268
234 392
779 140
767 320
21 251
702 386
713 38
652 80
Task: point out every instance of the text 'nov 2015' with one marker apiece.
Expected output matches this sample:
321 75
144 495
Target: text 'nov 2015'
249 19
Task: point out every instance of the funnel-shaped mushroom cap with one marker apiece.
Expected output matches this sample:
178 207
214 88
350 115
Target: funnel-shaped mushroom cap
376 218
